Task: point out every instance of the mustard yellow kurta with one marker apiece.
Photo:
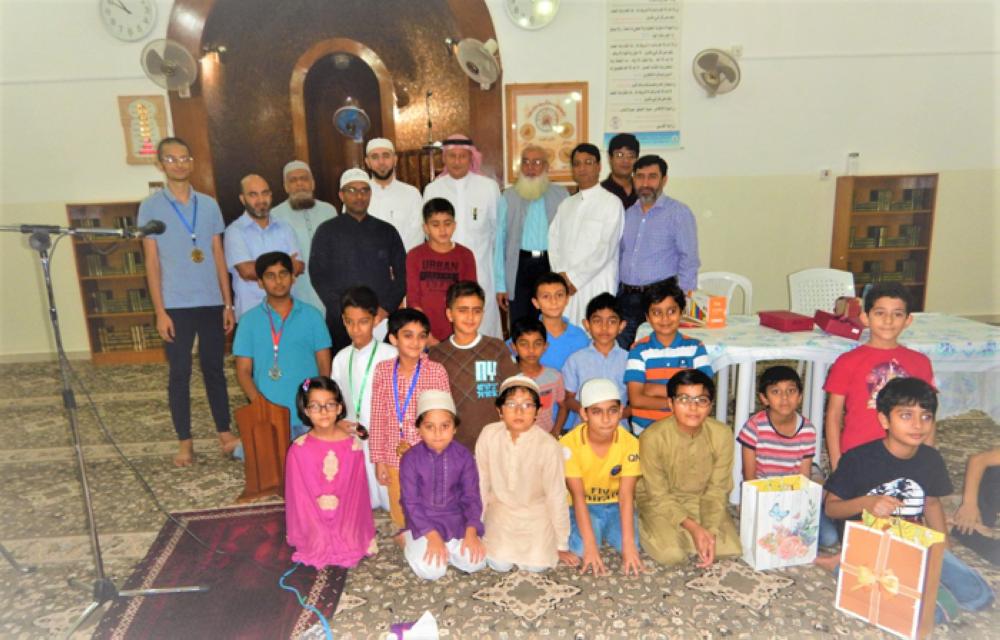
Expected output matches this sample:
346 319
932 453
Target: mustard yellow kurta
685 476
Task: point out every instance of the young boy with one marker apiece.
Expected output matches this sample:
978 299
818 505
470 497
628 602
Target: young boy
530 342
901 476
396 386
435 265
280 342
602 358
857 376
353 367
475 363
602 468
657 357
687 467
564 338
778 441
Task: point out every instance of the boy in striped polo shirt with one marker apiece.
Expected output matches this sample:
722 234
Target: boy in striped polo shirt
656 358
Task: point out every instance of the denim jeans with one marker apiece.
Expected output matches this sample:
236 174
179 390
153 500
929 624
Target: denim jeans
606 521
969 589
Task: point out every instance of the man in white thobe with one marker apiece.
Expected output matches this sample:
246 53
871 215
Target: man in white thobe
475 198
584 236
393 201
303 213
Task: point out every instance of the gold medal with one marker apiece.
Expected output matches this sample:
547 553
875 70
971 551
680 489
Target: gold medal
197 255
402 448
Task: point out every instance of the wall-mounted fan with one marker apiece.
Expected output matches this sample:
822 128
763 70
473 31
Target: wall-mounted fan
170 65
478 60
716 71
351 120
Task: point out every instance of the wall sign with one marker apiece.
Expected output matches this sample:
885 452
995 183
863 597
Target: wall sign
144 123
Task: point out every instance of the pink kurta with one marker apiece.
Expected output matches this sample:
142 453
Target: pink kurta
328 512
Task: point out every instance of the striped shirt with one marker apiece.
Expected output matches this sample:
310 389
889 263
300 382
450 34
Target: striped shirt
650 361
777 454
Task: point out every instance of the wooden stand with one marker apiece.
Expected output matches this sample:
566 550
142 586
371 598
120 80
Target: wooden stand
266 435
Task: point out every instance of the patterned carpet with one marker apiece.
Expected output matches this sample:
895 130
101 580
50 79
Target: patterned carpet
43 525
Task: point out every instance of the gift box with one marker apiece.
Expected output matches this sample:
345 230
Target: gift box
838 326
785 321
779 521
848 307
706 310
889 574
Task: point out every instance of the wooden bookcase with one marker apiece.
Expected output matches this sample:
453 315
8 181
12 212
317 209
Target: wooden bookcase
119 313
882 229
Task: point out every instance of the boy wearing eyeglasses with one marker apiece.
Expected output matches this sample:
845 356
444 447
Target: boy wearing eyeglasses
687 466
602 468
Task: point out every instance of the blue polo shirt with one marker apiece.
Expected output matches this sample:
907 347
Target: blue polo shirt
589 363
304 334
185 283
245 241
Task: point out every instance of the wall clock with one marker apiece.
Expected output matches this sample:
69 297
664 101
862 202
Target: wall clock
128 20
531 14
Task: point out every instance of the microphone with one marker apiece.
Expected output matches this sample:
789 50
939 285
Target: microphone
151 228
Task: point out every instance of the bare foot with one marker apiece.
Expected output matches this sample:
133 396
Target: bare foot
827 561
185 453
228 442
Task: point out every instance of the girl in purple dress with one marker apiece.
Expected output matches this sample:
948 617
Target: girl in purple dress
328 513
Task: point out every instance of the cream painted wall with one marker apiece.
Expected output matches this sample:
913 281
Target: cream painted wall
911 86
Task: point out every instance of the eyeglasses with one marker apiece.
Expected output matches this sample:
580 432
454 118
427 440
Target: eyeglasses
176 159
623 155
537 162
586 162
523 406
315 407
353 190
698 401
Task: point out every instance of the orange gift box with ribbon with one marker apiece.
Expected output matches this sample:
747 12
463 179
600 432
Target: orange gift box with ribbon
889 574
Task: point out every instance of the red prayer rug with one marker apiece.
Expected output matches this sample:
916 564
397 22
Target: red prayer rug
247 555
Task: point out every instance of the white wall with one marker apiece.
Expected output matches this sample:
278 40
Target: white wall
911 86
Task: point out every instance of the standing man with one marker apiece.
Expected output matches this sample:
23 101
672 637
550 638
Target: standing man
353 250
521 253
584 237
393 201
189 286
622 152
303 213
660 241
475 198
252 234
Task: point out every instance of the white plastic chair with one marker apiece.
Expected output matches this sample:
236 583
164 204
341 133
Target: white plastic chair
724 283
813 289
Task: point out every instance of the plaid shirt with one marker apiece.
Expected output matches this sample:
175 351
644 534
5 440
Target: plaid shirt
384 427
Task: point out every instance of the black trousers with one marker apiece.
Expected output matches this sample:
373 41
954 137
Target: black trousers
206 323
989 504
632 313
529 270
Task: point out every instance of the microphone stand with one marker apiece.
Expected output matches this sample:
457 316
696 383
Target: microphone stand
104 589
430 147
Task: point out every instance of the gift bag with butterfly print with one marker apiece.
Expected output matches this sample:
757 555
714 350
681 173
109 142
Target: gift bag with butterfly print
779 521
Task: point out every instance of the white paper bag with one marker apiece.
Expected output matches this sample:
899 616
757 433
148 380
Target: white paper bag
779 521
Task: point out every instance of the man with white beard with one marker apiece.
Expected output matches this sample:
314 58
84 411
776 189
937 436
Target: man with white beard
303 213
393 200
475 198
521 253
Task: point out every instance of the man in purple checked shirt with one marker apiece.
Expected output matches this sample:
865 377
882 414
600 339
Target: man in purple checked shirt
660 240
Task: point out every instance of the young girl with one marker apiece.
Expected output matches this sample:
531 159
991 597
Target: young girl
328 513
440 494
522 484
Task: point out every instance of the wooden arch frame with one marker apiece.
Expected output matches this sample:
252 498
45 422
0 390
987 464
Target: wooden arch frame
315 53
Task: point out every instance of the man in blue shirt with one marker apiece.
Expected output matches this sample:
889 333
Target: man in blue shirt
659 241
281 341
251 235
189 287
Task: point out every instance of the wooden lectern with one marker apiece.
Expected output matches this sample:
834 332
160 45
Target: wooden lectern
266 435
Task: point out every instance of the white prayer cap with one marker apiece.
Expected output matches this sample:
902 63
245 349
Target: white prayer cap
598 390
294 165
379 143
353 175
434 399
519 381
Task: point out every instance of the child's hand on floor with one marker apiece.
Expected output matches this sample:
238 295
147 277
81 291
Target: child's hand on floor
437 553
568 558
967 518
631 563
592 560
473 546
704 543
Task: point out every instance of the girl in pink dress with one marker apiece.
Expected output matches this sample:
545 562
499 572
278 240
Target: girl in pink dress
328 513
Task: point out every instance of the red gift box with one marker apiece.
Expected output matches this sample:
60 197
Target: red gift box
785 321
848 307
838 326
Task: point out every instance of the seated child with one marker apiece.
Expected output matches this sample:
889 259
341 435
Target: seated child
602 467
396 385
435 265
658 356
440 495
980 503
901 476
523 486
687 474
528 336
328 515
857 376
476 364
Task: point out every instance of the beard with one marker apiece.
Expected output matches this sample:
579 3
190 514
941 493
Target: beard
383 176
531 188
301 200
259 212
648 196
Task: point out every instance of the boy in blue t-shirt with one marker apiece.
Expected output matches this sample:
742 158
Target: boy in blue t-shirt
564 338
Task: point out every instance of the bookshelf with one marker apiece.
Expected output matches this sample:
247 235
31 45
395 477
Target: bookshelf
882 228
119 313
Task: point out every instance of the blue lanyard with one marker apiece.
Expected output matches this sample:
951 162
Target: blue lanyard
400 413
194 217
